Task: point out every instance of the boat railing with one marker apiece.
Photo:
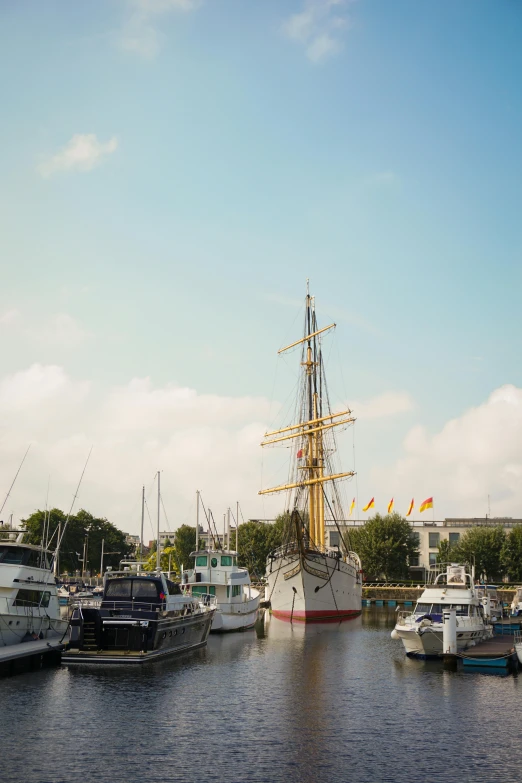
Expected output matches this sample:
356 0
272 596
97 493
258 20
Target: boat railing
291 547
403 615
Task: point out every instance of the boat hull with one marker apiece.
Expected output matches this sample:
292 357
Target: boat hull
228 621
428 643
16 628
315 588
136 639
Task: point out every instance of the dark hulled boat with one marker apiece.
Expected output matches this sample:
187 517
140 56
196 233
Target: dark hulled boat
140 618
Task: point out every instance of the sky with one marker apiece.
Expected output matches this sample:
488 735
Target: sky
172 172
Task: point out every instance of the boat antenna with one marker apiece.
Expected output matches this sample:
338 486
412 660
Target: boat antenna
61 535
207 517
16 476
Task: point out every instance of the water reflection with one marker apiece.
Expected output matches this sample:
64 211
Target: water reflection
280 703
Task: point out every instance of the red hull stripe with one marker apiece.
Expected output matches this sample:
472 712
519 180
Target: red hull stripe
318 616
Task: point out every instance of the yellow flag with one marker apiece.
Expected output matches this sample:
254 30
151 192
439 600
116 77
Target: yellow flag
369 505
352 507
410 508
390 506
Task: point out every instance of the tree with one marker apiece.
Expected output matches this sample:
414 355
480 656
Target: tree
512 554
81 529
184 543
385 545
167 558
447 552
256 540
483 547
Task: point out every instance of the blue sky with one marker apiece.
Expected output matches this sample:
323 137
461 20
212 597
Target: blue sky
235 150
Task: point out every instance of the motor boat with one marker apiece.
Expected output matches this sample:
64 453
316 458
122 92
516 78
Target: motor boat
421 631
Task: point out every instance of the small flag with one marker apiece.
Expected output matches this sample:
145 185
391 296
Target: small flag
410 508
390 506
371 504
300 454
352 507
428 503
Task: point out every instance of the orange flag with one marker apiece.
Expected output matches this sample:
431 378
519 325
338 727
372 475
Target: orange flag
428 503
410 508
390 506
371 504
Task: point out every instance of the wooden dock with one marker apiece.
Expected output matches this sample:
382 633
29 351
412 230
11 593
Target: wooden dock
499 651
29 656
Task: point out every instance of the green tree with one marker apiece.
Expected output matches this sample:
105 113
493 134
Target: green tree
385 545
447 552
82 528
512 554
167 557
256 539
483 547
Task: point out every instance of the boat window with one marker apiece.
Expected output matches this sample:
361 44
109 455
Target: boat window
32 598
119 589
12 555
144 590
461 609
236 590
422 609
213 562
201 560
437 608
173 588
204 590
226 560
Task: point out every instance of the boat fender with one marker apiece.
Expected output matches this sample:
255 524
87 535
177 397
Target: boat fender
394 634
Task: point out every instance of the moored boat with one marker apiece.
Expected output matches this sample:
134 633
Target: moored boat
421 631
140 618
29 608
308 580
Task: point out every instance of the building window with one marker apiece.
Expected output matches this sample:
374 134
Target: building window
433 558
416 538
434 540
334 538
454 538
414 561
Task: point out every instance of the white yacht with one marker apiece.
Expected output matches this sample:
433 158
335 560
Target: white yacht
29 607
421 630
216 573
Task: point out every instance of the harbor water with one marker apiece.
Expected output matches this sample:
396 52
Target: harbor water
283 703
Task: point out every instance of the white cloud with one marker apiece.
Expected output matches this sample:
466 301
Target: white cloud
57 329
82 153
10 317
140 33
386 404
199 441
319 27
473 456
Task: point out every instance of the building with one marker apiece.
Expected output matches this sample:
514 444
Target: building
429 535
205 538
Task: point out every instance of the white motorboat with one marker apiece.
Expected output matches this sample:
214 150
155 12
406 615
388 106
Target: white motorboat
216 573
29 607
488 596
421 631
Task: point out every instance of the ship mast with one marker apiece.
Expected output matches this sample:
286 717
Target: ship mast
311 430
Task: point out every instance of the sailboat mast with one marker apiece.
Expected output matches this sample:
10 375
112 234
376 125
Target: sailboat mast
197 520
311 415
142 521
158 556
237 524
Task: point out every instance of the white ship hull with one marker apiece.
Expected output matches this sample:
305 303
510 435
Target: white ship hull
16 627
236 617
317 588
428 643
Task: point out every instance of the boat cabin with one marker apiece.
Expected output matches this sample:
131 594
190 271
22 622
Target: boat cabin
216 573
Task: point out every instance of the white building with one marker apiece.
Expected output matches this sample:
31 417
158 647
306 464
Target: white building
430 534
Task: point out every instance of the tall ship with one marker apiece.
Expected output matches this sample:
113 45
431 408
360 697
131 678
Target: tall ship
309 580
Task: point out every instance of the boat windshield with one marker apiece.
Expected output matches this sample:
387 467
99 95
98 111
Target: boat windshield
20 555
461 610
144 590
